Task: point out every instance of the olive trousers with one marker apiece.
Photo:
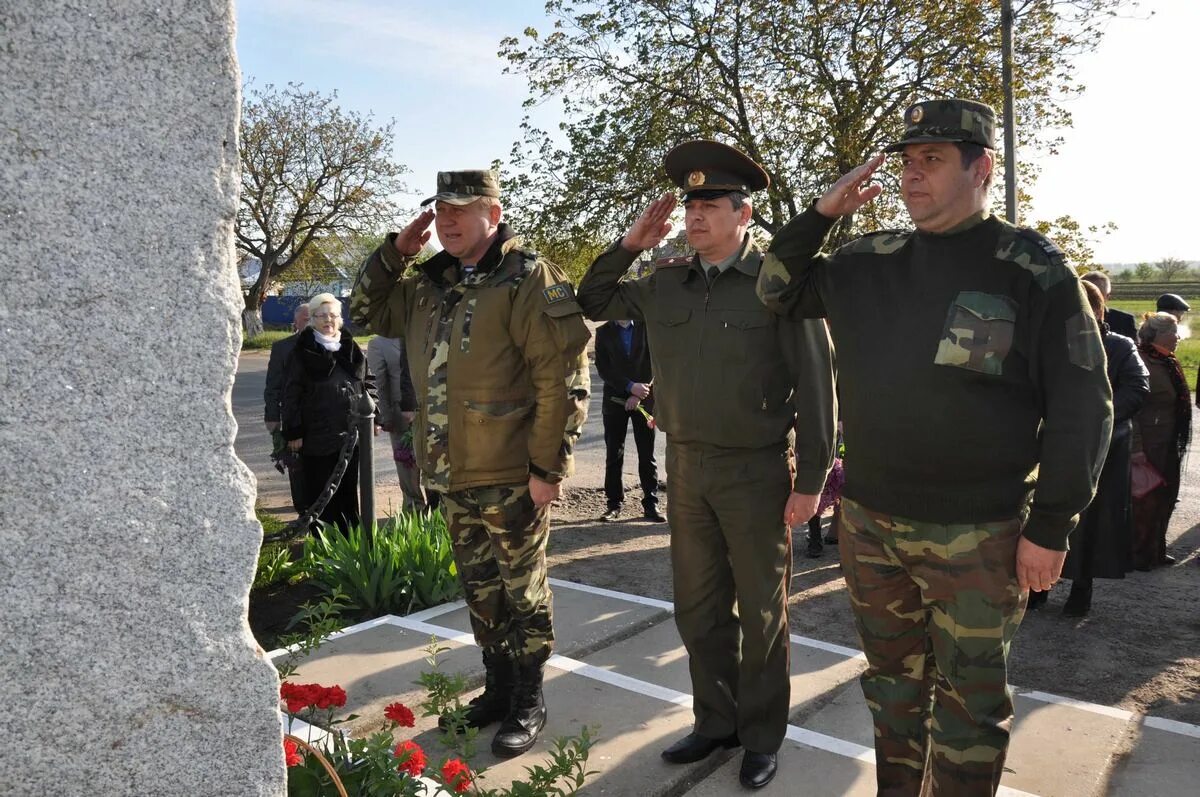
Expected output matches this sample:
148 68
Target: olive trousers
731 557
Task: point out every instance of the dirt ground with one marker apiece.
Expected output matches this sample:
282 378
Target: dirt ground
1139 648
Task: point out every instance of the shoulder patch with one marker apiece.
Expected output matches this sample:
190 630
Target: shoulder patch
1035 253
559 292
883 242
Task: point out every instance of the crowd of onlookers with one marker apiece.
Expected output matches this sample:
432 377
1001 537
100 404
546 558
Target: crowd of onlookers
1125 527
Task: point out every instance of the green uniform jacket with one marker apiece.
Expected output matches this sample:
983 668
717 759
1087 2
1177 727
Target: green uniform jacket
511 345
727 373
971 369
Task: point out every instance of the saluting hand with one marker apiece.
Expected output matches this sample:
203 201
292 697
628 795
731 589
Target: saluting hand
652 226
852 191
415 235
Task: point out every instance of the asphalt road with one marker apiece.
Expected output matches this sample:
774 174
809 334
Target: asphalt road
253 445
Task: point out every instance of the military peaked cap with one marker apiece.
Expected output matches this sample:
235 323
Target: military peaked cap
948 120
711 166
465 187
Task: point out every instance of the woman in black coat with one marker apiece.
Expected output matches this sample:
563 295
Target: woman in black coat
325 378
1101 544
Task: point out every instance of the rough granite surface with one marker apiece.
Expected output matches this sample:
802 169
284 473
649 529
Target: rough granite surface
127 534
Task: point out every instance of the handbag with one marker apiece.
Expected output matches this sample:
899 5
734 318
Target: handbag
1144 478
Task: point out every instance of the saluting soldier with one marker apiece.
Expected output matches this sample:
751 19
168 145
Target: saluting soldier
746 400
979 423
495 345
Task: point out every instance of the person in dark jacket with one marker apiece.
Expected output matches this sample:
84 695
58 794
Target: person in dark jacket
623 361
325 377
281 350
1161 432
1101 543
1118 321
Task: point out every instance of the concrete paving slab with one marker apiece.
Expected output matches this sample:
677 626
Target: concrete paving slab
583 620
1158 762
802 770
657 655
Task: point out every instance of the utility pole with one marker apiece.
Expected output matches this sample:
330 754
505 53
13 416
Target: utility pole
1010 122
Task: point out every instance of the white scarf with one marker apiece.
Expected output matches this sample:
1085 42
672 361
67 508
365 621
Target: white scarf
330 343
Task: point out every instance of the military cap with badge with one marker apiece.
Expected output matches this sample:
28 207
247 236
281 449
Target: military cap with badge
705 169
948 120
465 187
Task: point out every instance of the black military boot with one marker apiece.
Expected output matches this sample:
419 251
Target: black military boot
493 704
526 717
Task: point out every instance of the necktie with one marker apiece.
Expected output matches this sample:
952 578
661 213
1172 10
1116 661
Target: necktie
713 271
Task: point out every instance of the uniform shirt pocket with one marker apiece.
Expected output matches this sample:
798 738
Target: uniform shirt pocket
978 332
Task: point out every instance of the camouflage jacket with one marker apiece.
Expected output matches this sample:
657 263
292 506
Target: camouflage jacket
496 359
970 369
726 372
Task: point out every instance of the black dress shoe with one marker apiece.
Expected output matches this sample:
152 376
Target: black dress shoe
613 513
1037 599
815 548
757 769
654 516
695 747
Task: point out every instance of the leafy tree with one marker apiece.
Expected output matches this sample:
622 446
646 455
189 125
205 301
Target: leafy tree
1075 240
1144 272
808 88
1123 276
310 170
1171 267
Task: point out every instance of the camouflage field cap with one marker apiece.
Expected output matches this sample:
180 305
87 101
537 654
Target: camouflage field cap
711 166
948 120
463 188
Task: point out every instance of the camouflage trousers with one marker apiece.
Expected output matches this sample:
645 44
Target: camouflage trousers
936 607
499 541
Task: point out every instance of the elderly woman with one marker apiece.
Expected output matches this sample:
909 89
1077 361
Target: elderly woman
1101 543
325 377
1160 435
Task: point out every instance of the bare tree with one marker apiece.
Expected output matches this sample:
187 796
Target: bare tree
309 170
1171 267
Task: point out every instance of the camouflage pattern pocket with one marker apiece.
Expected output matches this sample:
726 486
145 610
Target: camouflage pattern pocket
978 332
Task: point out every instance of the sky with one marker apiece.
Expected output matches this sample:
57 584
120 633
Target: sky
432 67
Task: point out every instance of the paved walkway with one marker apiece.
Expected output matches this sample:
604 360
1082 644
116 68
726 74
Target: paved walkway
621 670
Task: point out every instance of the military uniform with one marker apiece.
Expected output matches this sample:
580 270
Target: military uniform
979 414
497 361
746 401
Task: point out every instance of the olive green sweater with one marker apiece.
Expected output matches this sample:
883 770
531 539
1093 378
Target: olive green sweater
971 370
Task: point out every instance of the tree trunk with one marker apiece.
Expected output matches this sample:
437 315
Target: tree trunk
252 323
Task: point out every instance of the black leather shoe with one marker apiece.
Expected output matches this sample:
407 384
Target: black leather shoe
758 769
654 516
815 548
695 747
1037 599
612 514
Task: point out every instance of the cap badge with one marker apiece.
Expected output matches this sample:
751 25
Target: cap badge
916 114
695 178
